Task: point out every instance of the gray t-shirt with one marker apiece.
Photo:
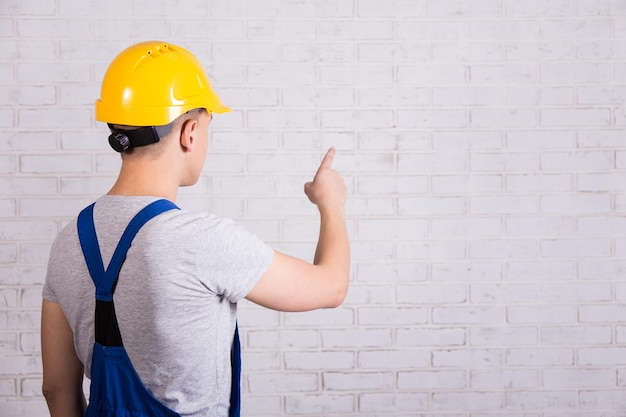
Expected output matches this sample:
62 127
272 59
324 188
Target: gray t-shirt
175 299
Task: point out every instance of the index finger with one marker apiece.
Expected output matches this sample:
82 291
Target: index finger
328 158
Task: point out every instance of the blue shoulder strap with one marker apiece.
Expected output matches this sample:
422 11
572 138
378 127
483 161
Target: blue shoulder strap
104 280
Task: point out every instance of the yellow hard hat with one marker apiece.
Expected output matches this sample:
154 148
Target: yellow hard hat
152 83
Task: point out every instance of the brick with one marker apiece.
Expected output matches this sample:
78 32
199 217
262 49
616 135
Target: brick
405 141
572 29
432 74
377 402
393 52
8 253
502 336
481 8
370 74
575 203
311 97
264 8
319 404
611 399
8 387
432 163
543 226
86 185
392 359
30 342
601 225
509 293
511 379
576 335
502 249
287 338
601 313
478 227
578 161
261 361
406 8
599 138
537 183
7 208
601 8
387 184
19 365
335 8
430 294
575 73
271 75
114 28
469 96
280 382
431 380
600 182
542 314
425 337
575 117
369 294
503 204
364 119
461 271
506 118
532 357
31 387
520 96
528 139
394 271
396 229
533 8
28 230
428 205
431 29
543 401
522 161
343 317
29 7
435 250
287 119
337 381
503 74
464 401
565 248
355 29
319 360
468 315
466 140
8 341
400 97
53 208
552 50
356 338
578 378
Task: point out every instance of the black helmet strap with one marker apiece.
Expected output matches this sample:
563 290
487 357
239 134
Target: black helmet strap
122 139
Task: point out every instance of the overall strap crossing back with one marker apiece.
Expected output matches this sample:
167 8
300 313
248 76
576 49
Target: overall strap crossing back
106 326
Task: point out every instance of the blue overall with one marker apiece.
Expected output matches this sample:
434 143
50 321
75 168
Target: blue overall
116 389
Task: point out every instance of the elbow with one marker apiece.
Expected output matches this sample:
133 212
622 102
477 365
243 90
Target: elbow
48 392
339 293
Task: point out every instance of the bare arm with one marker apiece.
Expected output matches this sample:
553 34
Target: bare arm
291 284
62 370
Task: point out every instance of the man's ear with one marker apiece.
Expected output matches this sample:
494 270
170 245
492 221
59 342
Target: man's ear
188 132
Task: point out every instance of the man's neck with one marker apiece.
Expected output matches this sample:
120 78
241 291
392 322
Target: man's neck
152 178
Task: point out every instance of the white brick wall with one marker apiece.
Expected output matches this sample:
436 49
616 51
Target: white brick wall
484 149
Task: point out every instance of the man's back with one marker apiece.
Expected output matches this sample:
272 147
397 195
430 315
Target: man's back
175 299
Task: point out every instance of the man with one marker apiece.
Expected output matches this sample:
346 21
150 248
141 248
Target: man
172 306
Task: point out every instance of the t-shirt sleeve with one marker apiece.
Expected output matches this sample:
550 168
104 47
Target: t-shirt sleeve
230 260
52 273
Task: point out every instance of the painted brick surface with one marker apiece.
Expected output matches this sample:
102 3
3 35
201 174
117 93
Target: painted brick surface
483 146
